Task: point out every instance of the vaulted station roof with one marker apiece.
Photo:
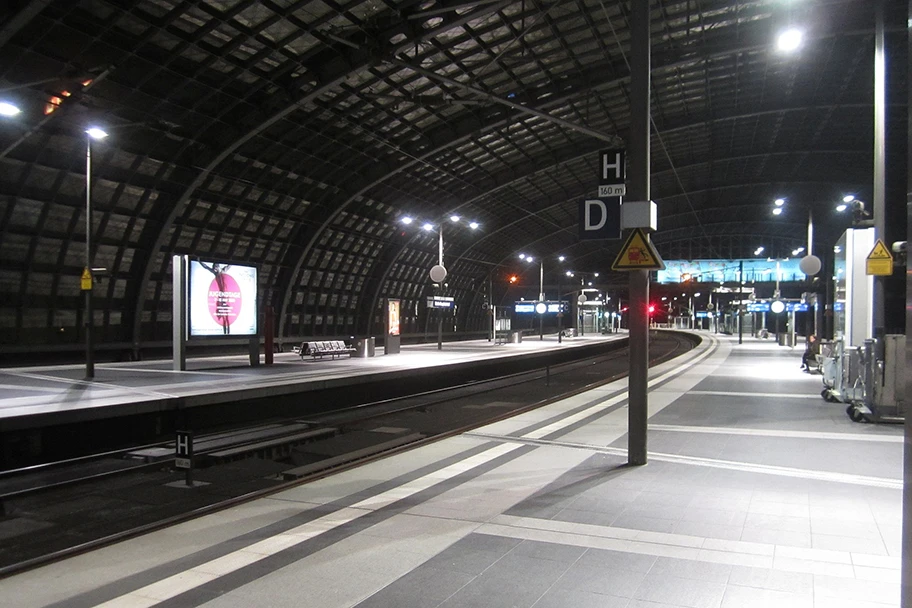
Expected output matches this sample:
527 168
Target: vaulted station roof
295 135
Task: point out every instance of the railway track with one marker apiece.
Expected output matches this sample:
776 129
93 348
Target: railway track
83 503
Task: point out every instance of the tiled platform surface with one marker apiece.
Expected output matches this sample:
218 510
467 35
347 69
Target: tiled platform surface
62 392
757 493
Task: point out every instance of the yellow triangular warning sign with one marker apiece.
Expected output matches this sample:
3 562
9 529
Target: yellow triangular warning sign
638 254
880 252
880 261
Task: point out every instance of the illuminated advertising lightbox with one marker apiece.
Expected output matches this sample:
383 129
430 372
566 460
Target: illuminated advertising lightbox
393 317
223 299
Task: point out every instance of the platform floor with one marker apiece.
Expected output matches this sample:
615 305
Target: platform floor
59 389
757 493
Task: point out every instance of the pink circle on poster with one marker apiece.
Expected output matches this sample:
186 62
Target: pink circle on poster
224 299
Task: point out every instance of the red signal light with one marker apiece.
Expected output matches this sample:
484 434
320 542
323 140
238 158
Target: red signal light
651 308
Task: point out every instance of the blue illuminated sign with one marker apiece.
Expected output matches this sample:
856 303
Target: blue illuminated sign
529 307
765 306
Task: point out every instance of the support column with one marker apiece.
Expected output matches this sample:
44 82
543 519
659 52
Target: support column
907 458
87 271
638 190
880 151
179 312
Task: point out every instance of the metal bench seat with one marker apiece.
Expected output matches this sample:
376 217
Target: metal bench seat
328 348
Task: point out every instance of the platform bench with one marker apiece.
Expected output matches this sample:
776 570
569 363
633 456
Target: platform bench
329 348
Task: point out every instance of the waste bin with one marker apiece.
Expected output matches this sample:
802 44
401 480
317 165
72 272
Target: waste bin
365 347
515 337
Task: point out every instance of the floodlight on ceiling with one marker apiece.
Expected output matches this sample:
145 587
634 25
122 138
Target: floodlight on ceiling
473 225
96 133
454 218
848 198
777 211
841 207
428 227
779 202
406 220
8 109
790 40
561 258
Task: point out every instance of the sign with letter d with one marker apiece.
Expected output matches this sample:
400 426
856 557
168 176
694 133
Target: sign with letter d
599 219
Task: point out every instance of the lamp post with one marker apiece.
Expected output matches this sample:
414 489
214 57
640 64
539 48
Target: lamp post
87 280
438 272
560 306
809 264
542 302
541 293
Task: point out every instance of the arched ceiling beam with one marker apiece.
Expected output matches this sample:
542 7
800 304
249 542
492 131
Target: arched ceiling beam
523 109
464 131
331 70
21 19
305 252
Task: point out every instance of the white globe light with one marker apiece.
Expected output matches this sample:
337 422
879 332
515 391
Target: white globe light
582 299
438 273
541 308
777 306
810 265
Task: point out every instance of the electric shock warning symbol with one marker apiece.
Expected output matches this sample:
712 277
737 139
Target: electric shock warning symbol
638 254
880 261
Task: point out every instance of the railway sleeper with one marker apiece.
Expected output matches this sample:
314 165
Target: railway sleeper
278 447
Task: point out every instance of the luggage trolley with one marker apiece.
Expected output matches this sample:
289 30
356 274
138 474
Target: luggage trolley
883 381
873 389
842 372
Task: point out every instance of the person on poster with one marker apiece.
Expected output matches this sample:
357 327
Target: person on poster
222 307
394 318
